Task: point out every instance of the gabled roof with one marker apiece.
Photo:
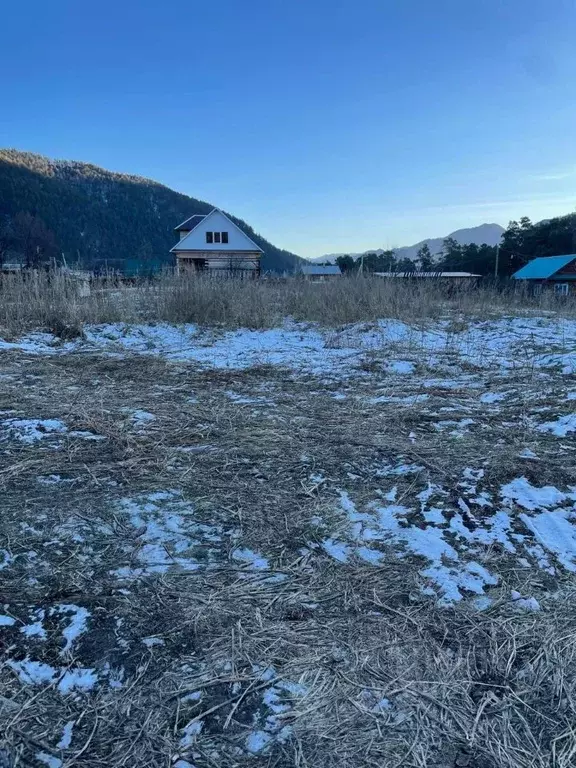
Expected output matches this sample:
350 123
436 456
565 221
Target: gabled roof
189 224
543 267
184 244
317 269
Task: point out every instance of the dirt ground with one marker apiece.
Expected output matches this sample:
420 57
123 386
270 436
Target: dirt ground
181 584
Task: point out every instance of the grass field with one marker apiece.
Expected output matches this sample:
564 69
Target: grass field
334 545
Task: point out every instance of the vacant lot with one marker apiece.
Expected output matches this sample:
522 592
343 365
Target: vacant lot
291 547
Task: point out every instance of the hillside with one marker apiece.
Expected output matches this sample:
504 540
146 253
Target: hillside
103 218
489 234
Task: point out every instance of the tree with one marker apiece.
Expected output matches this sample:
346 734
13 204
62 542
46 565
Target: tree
346 263
385 261
405 265
370 262
6 238
424 259
33 240
519 245
388 261
451 253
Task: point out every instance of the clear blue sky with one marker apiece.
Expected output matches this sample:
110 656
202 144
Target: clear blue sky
329 125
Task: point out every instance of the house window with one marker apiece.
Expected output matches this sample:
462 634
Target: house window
561 289
224 237
209 237
216 237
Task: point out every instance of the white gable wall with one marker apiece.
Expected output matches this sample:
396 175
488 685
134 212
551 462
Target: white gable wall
216 222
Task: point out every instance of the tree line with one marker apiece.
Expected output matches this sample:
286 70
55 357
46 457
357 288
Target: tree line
50 210
96 218
521 242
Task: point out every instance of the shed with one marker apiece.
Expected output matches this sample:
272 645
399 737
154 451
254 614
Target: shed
318 273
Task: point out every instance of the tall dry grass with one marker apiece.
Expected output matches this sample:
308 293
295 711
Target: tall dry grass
53 301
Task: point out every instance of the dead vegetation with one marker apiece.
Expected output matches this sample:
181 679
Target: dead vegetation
206 657
51 301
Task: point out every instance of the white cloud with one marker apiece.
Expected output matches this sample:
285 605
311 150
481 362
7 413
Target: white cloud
559 175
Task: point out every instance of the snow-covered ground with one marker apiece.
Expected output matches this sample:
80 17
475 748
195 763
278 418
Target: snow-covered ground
508 343
177 500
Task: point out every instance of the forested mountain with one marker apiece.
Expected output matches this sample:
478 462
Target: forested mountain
488 234
96 217
520 243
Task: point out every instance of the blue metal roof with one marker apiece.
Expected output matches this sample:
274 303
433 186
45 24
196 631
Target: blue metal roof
317 269
543 267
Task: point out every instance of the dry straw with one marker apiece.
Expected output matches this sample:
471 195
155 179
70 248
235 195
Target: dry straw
52 301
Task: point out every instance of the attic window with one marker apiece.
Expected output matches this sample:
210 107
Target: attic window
209 237
224 237
216 237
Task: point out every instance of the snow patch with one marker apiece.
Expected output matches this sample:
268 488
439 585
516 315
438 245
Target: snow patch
492 397
150 642
36 628
167 532
527 453
257 740
81 679
53 480
337 549
32 430
530 497
50 760
248 556
138 416
33 672
190 732
68 679
402 367
77 626
388 525
527 603
556 533
66 738
561 427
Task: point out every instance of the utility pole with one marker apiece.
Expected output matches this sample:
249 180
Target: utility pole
496 261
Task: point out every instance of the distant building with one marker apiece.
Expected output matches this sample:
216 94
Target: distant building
13 262
319 274
430 275
557 273
214 245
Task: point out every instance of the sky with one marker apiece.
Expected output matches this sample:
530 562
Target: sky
328 125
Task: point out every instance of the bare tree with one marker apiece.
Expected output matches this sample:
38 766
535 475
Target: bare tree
32 239
6 238
235 266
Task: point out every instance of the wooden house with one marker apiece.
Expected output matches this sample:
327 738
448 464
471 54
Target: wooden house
556 273
214 245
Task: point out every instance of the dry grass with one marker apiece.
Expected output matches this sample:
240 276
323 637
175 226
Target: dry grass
491 689
51 301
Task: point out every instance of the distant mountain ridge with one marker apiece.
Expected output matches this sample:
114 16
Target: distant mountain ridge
490 234
107 219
